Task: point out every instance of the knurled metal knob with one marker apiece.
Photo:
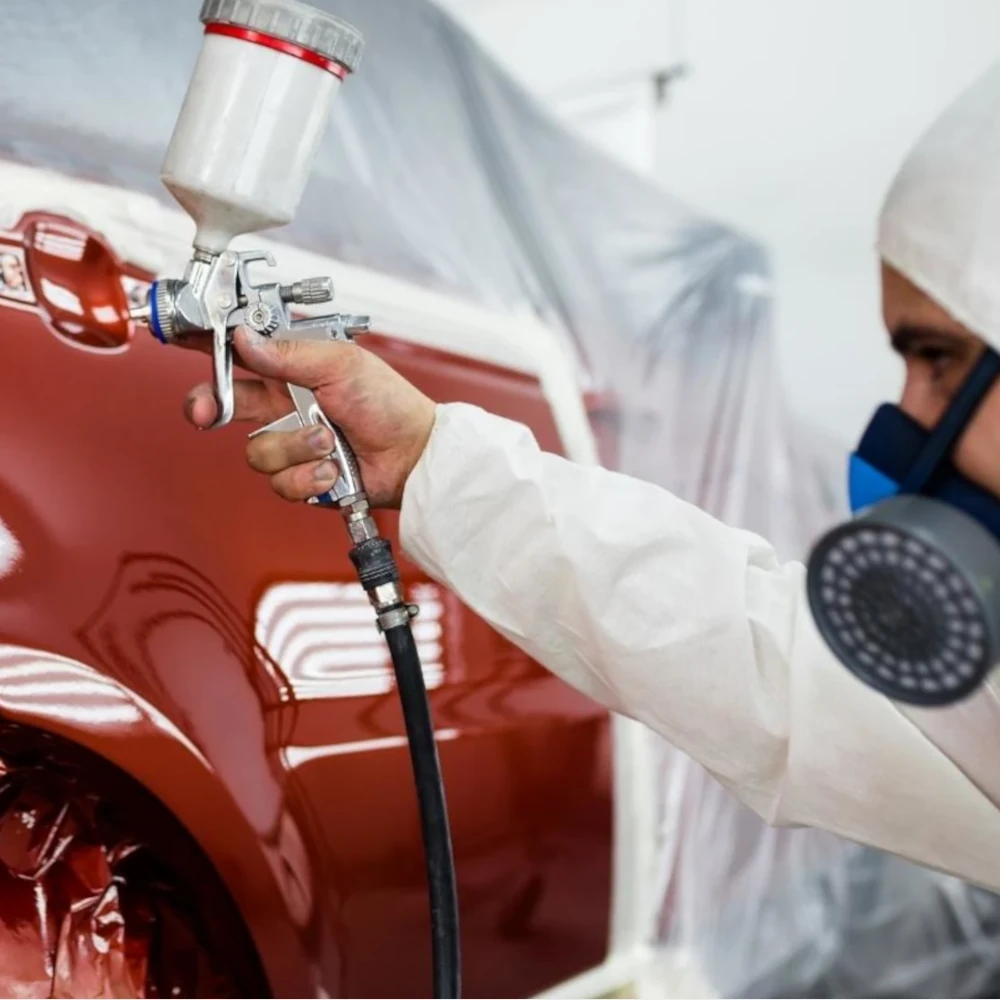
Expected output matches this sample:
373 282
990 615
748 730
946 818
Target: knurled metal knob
164 308
308 292
262 318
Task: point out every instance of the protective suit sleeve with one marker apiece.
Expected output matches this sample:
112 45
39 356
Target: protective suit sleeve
664 614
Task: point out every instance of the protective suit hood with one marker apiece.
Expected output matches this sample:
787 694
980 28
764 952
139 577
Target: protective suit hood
940 225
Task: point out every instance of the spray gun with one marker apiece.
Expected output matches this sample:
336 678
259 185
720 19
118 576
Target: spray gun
238 162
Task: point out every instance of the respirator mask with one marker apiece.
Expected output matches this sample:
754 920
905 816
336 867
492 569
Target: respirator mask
907 593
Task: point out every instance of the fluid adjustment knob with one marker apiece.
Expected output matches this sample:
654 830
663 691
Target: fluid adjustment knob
308 292
262 318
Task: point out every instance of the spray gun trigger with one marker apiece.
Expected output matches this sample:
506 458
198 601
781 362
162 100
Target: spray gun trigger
289 422
222 365
283 425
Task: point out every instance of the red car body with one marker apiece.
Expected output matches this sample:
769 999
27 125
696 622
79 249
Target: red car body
163 610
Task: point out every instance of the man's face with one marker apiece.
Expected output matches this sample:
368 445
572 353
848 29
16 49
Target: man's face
939 353
11 272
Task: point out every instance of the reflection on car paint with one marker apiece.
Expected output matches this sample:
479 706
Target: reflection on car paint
159 625
14 283
322 637
297 756
65 298
50 687
10 550
156 589
14 275
65 243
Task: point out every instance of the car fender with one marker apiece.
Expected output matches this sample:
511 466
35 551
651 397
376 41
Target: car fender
76 702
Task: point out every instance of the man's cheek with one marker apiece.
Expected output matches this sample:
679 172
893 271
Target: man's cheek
978 452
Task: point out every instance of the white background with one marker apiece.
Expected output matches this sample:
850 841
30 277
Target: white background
789 124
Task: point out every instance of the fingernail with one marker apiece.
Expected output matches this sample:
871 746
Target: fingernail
326 472
319 440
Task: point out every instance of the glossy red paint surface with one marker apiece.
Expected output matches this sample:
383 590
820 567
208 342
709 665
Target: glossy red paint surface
171 614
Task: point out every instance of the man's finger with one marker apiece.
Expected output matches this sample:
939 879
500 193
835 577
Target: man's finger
252 401
309 363
278 451
305 481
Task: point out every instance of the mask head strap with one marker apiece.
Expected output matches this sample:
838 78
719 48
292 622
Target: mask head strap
950 427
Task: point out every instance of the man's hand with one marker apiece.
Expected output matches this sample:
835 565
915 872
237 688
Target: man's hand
387 420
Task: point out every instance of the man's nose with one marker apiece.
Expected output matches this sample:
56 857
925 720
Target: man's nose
920 402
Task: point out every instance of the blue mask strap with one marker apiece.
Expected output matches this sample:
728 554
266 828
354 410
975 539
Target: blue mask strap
950 427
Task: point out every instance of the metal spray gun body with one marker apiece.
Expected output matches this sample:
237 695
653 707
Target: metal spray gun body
215 296
238 162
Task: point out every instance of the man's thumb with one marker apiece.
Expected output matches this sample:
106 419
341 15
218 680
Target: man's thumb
308 363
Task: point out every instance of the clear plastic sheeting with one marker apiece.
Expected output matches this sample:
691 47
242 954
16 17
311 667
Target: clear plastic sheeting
440 170
764 912
87 908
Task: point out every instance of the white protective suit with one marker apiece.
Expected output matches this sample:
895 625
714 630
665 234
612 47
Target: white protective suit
696 629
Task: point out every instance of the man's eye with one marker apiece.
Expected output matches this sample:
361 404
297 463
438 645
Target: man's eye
936 357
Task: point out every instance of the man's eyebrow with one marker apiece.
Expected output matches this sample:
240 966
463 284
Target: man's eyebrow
905 336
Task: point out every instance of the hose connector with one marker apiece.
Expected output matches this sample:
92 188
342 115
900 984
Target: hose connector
375 564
